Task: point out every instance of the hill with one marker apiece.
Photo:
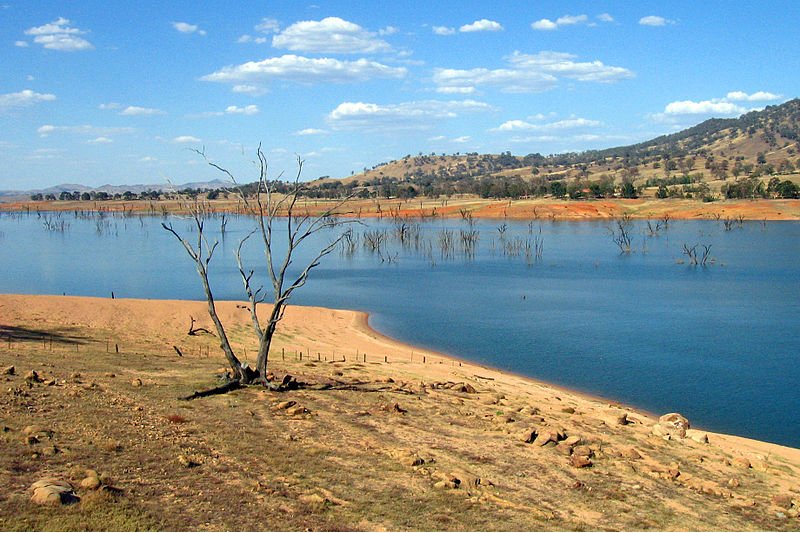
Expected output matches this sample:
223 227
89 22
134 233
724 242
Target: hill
697 162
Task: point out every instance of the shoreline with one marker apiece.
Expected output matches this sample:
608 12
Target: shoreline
429 208
228 309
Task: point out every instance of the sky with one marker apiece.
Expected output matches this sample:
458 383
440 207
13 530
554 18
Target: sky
95 93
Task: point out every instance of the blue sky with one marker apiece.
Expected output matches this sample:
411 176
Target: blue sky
99 92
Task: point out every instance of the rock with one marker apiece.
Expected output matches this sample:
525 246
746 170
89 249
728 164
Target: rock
546 437
583 450
9 370
742 462
622 420
465 387
136 382
568 410
672 424
38 432
51 491
284 405
734 482
697 436
296 410
631 453
563 448
91 482
529 436
580 461
572 440
784 501
188 462
33 376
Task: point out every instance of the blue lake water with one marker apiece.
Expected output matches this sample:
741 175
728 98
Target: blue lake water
719 344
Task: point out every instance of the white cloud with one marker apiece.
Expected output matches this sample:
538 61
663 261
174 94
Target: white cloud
529 73
134 110
250 39
268 25
21 44
462 139
443 30
437 138
310 131
147 159
59 35
726 106
544 25
388 30
654 20
185 139
100 140
759 96
251 109
24 98
570 123
455 90
110 105
329 35
185 27
403 116
566 20
85 129
252 90
303 70
605 17
481 25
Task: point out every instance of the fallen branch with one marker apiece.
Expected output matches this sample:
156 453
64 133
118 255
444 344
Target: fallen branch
222 389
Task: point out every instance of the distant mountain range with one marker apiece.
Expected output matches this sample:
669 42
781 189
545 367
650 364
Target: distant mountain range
119 189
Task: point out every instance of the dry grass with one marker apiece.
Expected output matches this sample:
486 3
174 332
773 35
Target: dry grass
350 460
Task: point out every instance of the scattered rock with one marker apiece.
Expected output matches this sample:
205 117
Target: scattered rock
563 448
784 501
622 420
136 382
465 387
631 453
734 482
384 380
51 491
697 436
296 410
91 481
9 370
572 440
450 483
284 405
580 461
742 462
397 409
188 462
529 436
548 436
568 410
33 377
671 425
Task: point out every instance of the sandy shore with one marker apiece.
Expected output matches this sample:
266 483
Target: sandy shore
339 345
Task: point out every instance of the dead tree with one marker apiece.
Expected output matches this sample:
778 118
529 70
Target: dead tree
277 214
621 235
201 253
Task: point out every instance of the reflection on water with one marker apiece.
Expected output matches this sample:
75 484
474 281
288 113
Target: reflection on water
553 300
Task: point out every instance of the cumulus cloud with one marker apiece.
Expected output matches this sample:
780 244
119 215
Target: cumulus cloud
481 25
462 139
21 44
186 139
310 131
135 110
443 30
566 124
329 35
566 20
303 70
605 17
403 116
726 106
59 35
24 98
185 27
250 39
654 20
268 25
529 73
100 140
251 109
388 30
84 129
758 96
252 90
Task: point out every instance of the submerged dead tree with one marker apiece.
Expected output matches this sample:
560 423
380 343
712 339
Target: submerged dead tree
275 215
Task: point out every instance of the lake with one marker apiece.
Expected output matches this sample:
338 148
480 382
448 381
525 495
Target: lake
718 343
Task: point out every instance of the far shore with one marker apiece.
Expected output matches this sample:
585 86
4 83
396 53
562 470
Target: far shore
381 435
431 208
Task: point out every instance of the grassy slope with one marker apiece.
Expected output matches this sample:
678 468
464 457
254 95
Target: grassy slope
347 463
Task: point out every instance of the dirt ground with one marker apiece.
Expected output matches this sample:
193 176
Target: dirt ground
479 208
380 436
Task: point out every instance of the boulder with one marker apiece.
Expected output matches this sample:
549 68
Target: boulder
91 482
622 419
672 424
51 491
296 410
742 462
136 382
784 501
580 461
33 376
9 370
697 436
285 405
465 387
572 440
546 437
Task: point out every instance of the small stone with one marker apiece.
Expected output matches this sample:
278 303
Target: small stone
784 501
90 483
734 482
580 461
285 405
296 410
33 376
188 462
742 462
51 491
568 410
9 370
136 382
